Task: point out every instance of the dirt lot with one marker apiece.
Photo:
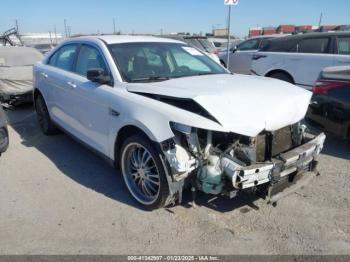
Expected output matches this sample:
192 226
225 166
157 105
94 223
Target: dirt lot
57 197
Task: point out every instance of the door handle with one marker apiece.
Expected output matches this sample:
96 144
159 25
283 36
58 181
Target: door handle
72 84
44 75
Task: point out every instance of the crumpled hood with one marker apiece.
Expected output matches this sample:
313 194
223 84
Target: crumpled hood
242 104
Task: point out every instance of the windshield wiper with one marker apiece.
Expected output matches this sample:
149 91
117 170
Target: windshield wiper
150 79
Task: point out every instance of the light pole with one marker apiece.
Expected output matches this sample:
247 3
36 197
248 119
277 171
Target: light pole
228 36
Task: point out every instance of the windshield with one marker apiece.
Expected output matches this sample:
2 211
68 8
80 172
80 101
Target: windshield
147 62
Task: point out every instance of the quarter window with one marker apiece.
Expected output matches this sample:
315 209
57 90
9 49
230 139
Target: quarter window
89 58
313 46
343 45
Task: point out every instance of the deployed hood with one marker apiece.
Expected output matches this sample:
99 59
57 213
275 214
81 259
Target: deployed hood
242 104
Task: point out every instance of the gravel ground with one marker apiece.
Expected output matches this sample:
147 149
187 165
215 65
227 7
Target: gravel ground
57 197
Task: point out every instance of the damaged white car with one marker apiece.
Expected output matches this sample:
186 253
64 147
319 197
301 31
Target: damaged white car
170 117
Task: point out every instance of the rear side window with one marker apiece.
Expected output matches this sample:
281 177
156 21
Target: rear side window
313 46
343 44
64 57
89 58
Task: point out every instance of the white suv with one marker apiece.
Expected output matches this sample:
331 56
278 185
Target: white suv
300 59
169 116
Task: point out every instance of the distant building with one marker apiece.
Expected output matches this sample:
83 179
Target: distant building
326 28
221 32
285 29
255 31
343 28
41 38
303 28
269 30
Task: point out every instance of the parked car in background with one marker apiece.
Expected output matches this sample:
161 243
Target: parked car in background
299 59
163 112
330 107
16 73
200 42
241 55
4 134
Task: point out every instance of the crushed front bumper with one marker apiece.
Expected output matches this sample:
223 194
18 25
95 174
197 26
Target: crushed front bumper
283 171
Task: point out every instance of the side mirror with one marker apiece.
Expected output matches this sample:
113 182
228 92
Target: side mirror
98 75
234 49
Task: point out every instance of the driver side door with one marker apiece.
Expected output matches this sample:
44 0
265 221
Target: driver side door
240 60
91 99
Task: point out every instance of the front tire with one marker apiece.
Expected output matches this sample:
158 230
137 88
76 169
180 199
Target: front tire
143 172
45 123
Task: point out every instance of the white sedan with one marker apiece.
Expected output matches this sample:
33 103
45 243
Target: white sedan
170 117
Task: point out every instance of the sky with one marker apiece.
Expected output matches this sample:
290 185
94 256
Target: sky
154 16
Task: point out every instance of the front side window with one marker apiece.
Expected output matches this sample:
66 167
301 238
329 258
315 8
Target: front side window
161 61
252 44
89 58
343 44
313 46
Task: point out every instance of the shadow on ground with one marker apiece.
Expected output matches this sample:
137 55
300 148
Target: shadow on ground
337 147
70 157
91 171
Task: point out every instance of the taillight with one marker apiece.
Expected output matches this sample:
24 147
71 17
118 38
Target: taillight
322 87
216 52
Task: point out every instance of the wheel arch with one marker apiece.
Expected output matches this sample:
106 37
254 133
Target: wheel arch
125 132
282 71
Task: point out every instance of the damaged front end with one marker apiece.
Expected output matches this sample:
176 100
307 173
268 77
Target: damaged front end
224 163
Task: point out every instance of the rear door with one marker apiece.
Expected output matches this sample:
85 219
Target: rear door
308 58
342 56
57 74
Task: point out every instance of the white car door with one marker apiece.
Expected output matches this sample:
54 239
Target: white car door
58 80
342 56
310 57
91 100
241 58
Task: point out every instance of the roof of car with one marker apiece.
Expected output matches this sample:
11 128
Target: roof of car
116 39
307 35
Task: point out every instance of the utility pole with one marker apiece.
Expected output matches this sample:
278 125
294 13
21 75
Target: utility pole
228 37
55 34
16 21
69 30
320 21
113 25
65 28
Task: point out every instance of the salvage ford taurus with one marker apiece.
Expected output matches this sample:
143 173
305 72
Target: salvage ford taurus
170 117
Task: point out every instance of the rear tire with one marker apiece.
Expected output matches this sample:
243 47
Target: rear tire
143 172
45 122
283 77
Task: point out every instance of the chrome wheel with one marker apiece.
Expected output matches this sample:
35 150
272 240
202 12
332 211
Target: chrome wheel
140 173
